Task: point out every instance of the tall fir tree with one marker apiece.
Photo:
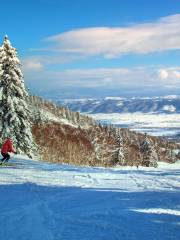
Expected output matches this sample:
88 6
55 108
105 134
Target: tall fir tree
148 152
120 151
15 115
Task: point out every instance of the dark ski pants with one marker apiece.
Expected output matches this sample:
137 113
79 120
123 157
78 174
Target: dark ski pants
6 157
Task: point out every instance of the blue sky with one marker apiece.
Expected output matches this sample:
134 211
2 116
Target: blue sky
97 47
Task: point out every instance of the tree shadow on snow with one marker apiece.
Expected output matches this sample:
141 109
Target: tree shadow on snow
30 211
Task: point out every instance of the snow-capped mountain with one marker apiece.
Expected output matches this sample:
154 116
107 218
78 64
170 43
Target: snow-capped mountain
168 104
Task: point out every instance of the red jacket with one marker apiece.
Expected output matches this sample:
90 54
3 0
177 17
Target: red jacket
7 146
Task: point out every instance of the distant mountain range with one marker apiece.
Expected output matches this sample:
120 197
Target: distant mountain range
167 104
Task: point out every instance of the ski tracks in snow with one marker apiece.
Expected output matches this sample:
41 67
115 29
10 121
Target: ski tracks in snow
52 202
87 180
156 181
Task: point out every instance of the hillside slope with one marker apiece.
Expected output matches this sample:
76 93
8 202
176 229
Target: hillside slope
69 137
52 201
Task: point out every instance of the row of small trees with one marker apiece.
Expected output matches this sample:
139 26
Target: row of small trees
39 106
132 150
14 112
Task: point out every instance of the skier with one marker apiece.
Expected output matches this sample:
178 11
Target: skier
7 148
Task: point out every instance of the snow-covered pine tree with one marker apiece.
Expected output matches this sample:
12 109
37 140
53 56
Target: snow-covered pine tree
120 151
15 116
149 154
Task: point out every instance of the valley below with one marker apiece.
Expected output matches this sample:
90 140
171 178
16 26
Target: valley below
163 125
156 116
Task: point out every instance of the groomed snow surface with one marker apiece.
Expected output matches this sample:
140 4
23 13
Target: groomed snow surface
42 201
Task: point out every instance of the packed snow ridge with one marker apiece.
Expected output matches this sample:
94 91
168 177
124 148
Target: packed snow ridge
47 201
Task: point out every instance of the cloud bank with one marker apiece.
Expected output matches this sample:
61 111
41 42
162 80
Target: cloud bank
139 78
158 36
103 42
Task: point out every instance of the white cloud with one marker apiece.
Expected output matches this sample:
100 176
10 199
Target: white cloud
32 64
163 74
161 35
170 74
177 74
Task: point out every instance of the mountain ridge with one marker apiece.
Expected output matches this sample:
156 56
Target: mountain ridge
167 104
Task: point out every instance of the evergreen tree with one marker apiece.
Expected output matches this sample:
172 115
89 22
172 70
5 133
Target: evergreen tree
15 115
120 151
149 154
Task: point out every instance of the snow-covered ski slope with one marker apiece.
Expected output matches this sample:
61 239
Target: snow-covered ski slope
46 201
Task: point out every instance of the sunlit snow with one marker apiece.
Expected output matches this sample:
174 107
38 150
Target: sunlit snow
39 200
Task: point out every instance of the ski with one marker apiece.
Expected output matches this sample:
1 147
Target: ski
7 164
